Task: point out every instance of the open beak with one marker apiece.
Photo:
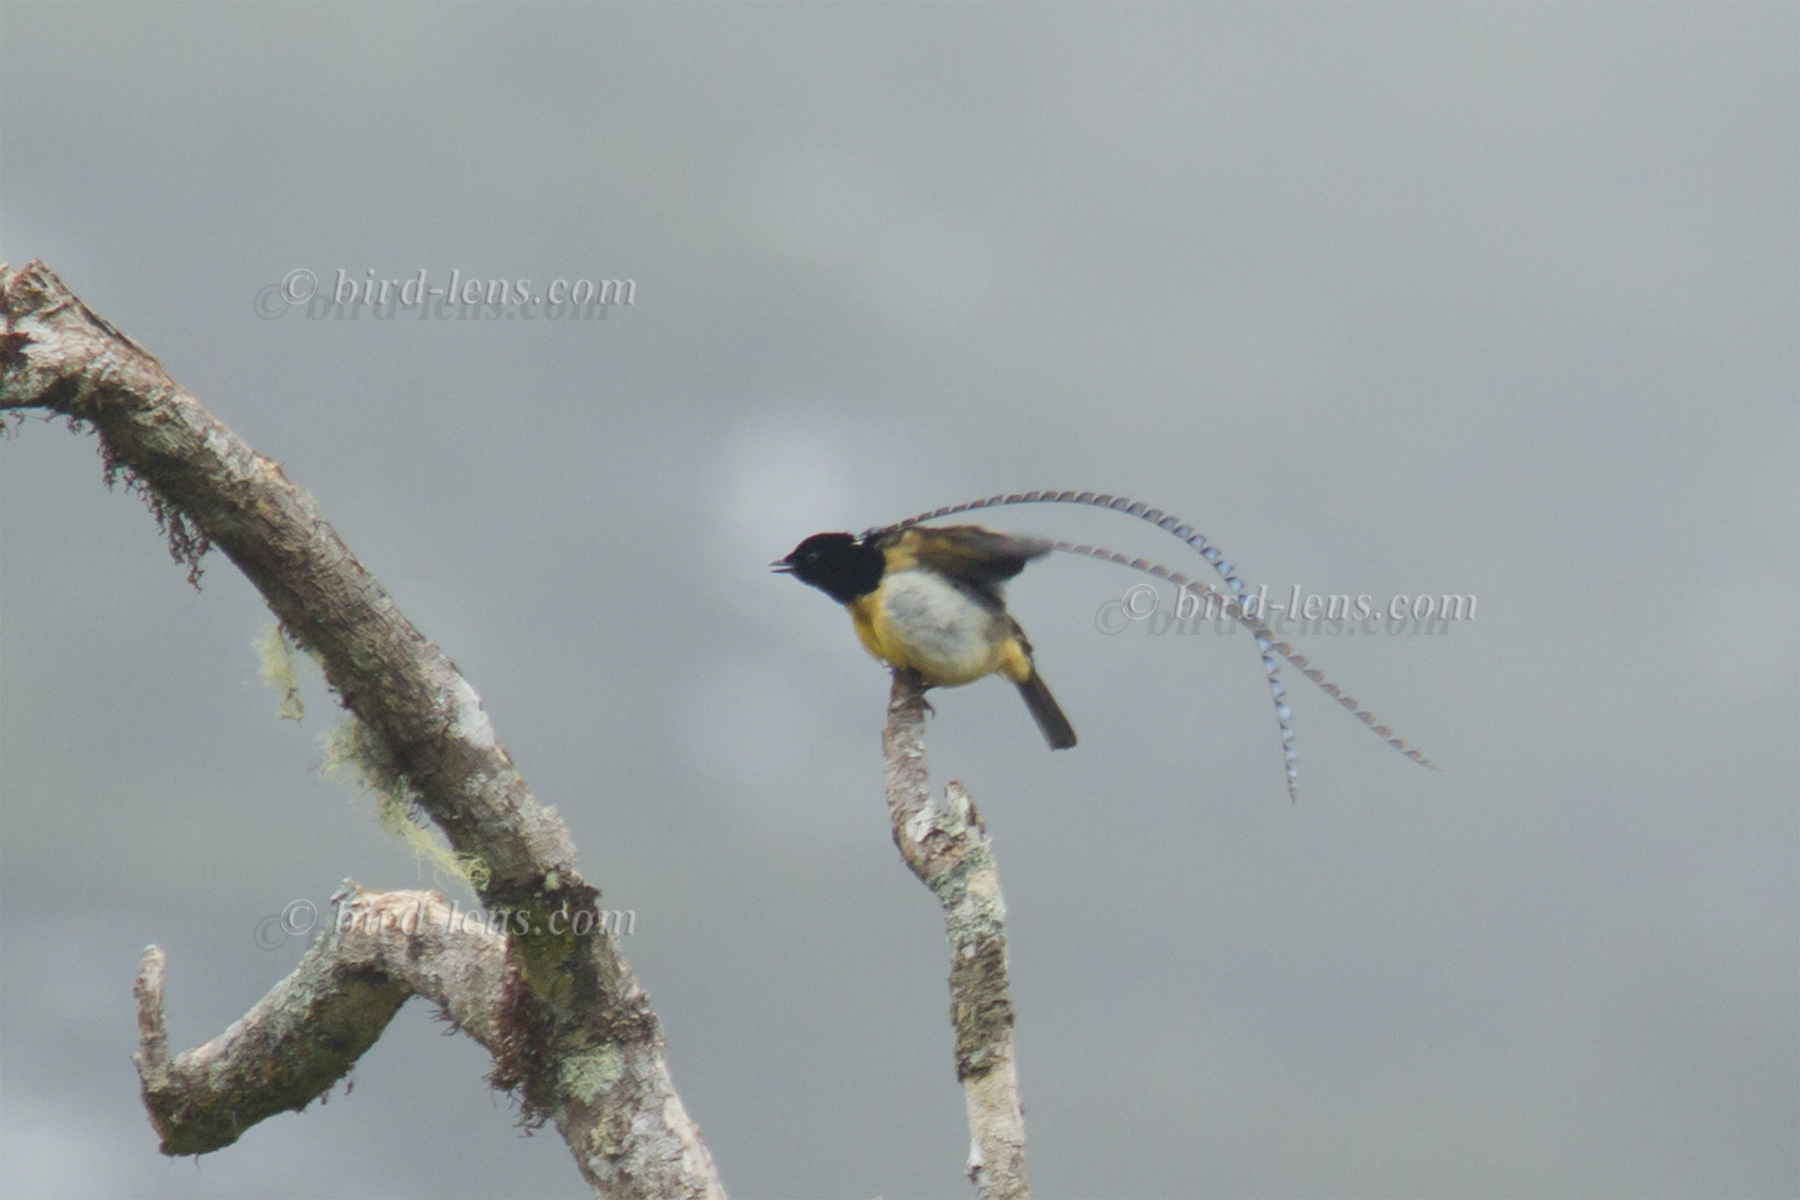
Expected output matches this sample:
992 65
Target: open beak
781 566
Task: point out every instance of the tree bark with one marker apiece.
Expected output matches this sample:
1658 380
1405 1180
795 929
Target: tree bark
948 848
573 1031
306 1034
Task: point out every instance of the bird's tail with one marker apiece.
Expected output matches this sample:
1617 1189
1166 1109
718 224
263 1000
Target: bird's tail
1057 730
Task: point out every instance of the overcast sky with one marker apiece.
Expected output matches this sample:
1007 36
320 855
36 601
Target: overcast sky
1476 299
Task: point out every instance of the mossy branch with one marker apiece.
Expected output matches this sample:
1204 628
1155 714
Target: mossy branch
577 1002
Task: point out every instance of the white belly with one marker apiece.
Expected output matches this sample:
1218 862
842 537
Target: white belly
943 633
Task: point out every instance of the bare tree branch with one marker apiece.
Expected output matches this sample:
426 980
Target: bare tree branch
307 1033
947 847
576 1034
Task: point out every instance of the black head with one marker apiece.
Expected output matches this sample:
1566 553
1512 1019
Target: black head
837 564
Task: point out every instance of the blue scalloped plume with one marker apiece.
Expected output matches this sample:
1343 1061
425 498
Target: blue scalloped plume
1271 650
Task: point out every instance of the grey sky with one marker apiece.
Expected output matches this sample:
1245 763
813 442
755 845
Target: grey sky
1496 300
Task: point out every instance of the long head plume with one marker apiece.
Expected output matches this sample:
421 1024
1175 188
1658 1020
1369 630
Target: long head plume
1273 651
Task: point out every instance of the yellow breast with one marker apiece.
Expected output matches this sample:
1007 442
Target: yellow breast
920 621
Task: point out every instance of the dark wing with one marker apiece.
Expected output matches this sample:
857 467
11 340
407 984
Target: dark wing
969 552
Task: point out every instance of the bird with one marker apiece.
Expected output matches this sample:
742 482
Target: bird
929 600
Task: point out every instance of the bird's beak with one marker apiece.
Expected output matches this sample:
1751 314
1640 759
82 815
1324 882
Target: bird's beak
781 566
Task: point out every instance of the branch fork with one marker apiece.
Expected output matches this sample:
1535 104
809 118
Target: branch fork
570 1029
